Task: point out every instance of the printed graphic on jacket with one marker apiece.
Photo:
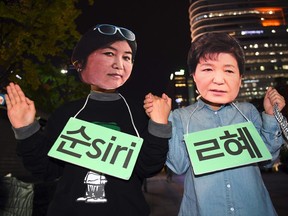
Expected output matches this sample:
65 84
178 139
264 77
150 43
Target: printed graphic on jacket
95 190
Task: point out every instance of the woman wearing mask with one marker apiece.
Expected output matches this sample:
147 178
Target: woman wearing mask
104 59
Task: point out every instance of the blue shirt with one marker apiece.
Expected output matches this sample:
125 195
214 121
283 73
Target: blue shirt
238 191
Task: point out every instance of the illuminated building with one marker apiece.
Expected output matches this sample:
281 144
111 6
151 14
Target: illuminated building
182 88
260 26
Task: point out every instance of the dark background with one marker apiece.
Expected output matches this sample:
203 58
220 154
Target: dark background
162 33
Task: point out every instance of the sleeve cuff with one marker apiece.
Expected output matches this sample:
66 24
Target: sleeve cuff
270 123
160 130
27 131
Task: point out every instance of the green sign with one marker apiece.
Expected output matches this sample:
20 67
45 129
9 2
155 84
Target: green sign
97 148
225 147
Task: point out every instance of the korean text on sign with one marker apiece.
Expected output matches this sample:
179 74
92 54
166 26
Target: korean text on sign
97 148
225 147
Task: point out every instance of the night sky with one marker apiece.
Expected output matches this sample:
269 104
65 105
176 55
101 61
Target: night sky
162 34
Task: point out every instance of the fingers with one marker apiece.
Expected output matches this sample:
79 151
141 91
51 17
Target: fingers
20 93
169 102
148 100
8 102
275 97
164 96
21 110
272 97
148 104
15 94
157 108
15 97
149 95
167 99
28 101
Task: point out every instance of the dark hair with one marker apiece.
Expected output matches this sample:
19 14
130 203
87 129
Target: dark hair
93 40
209 44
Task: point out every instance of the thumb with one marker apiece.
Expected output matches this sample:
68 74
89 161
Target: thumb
164 96
167 99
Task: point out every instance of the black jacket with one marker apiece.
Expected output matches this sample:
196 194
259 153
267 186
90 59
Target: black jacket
74 194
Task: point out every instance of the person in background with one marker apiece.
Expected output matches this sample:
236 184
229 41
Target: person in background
2 100
216 63
104 58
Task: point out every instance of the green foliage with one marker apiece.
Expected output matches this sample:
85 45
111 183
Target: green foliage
36 41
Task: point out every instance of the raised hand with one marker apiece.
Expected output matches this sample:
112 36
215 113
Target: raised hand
148 103
158 108
271 98
20 109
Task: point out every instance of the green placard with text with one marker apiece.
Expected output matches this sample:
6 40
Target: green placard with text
97 148
225 147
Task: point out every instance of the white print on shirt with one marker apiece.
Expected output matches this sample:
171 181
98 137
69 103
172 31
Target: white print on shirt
95 192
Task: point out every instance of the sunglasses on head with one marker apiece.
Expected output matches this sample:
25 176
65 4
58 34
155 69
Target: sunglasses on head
108 29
